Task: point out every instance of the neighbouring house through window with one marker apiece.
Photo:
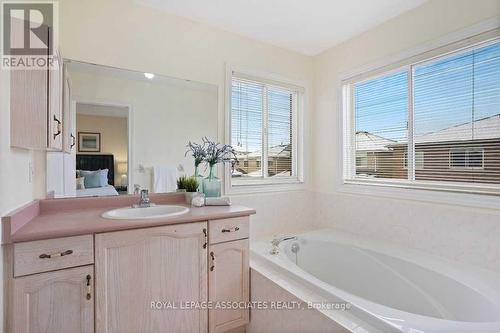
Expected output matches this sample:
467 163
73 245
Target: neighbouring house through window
431 121
467 158
264 130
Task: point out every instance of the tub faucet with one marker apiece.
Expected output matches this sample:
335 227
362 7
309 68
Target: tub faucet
144 201
277 241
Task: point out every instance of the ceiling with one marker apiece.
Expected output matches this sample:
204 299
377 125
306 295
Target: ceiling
306 26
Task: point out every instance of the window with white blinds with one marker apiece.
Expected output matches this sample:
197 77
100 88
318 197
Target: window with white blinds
263 131
433 122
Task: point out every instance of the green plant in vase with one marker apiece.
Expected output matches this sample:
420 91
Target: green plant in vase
215 153
190 185
198 152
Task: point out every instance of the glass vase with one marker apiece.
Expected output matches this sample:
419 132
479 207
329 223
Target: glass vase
199 178
212 184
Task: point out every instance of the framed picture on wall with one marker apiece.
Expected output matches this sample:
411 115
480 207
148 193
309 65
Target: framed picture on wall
89 142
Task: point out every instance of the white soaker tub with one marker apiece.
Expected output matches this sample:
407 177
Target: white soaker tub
393 289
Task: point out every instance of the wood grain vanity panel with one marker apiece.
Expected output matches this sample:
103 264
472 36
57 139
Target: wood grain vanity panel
55 302
225 230
137 267
228 282
52 254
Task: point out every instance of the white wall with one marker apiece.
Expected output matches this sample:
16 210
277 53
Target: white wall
465 234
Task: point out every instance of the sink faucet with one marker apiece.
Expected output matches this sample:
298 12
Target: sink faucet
144 201
277 241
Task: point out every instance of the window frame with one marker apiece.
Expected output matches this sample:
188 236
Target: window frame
485 33
405 160
467 152
268 184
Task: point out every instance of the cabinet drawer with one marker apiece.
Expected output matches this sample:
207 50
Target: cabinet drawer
52 254
228 229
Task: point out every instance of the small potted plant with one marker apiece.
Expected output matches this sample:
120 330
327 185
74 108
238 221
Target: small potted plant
198 152
215 153
189 185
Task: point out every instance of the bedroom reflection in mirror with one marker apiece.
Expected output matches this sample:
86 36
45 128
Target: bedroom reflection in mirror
124 130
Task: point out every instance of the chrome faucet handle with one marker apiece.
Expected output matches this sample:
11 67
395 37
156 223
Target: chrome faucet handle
144 196
277 240
144 200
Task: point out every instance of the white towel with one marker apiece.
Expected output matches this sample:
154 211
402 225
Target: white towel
220 201
165 179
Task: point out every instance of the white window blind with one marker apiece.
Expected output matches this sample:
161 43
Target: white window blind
263 130
381 111
436 121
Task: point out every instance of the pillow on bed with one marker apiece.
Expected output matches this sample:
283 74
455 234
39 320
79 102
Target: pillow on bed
104 177
92 179
80 183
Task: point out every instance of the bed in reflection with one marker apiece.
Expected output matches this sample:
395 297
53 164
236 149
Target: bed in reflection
95 175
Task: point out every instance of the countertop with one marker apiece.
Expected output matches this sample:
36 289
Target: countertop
45 219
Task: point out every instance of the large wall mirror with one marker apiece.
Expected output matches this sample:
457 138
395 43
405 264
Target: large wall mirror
126 128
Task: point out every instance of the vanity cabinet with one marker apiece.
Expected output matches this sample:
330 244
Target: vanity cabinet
36 104
228 282
137 268
228 272
59 301
148 280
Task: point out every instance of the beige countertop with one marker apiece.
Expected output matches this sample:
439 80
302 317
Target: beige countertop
47 219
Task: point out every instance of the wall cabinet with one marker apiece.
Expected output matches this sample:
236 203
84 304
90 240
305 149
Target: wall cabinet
36 104
150 280
59 301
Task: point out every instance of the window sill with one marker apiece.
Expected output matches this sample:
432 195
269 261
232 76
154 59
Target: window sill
248 187
396 190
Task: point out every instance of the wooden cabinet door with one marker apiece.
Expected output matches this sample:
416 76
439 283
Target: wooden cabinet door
55 302
228 282
137 268
28 101
55 115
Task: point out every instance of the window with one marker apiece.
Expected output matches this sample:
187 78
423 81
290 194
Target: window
471 158
429 122
264 130
419 160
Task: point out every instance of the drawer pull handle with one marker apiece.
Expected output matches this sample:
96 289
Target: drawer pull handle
73 141
59 254
89 288
212 256
233 229
58 127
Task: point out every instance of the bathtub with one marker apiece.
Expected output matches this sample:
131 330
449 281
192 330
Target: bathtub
388 289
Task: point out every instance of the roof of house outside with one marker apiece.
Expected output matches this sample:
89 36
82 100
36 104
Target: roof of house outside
480 129
282 151
366 141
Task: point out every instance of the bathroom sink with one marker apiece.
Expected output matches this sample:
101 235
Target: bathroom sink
153 212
